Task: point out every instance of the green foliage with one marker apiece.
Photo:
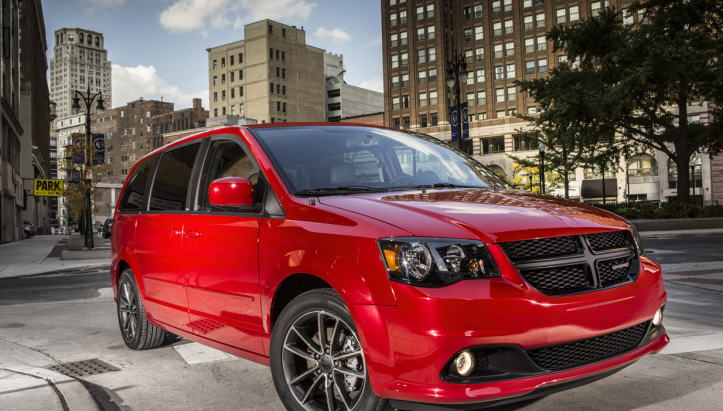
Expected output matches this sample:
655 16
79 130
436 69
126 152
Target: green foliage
637 81
648 210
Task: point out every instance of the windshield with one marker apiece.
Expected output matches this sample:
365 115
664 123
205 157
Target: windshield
326 160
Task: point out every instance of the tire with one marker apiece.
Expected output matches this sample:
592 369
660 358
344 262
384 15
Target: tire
309 376
137 333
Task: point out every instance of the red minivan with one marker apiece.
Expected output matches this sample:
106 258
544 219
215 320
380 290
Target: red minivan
374 269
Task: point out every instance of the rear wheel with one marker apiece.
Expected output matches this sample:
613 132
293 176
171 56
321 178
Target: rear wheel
137 333
317 360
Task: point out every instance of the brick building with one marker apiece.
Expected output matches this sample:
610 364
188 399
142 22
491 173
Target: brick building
502 41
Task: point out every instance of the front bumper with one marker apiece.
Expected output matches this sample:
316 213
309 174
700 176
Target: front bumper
409 346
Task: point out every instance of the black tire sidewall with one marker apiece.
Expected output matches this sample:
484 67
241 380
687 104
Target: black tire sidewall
305 303
127 277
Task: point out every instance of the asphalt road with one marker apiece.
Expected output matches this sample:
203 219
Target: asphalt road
71 317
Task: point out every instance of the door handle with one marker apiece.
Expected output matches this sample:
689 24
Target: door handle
192 234
174 233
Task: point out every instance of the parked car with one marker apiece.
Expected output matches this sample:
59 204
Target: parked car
374 268
28 229
107 227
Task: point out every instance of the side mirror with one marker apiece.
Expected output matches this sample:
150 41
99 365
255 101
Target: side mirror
231 192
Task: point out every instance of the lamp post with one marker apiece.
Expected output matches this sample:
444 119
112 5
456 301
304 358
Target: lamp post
692 183
88 98
542 168
456 74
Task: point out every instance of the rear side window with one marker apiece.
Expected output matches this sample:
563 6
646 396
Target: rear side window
170 187
135 192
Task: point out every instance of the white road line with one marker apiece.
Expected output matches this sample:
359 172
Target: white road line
679 345
689 302
195 353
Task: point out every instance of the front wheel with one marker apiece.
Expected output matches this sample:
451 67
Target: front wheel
317 360
137 333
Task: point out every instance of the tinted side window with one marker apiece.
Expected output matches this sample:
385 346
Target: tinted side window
170 186
135 191
226 158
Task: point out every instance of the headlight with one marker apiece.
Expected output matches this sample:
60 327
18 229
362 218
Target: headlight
636 237
436 262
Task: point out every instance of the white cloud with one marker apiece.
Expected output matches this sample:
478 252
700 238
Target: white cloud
376 41
375 84
336 36
133 83
206 15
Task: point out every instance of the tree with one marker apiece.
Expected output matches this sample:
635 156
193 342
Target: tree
640 79
74 193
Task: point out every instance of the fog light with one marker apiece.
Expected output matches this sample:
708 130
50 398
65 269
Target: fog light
658 318
464 363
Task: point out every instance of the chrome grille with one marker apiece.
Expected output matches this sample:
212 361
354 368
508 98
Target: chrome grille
575 264
581 352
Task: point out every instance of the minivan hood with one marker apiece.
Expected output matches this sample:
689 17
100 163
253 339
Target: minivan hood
488 214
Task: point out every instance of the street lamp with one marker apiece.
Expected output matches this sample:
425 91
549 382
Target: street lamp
456 74
88 98
542 168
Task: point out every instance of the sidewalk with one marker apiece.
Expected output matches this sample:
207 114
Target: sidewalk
43 255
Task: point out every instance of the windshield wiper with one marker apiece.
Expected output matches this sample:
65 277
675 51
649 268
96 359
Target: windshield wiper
339 190
445 185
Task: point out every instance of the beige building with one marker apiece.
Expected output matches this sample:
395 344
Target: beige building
502 41
79 61
270 76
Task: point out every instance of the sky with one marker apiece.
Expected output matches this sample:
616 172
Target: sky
157 48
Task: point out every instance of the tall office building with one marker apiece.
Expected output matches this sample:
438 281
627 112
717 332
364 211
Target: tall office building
501 41
79 61
270 76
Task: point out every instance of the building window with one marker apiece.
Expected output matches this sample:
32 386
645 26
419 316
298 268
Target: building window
405 123
395 82
642 165
528 23
430 10
432 76
511 71
240 58
394 39
468 57
432 51
403 17
393 19
215 80
523 142
542 66
405 102
422 78
430 32
560 16
478 11
223 62
492 145
223 94
433 98
395 61
433 120
467 13
508 5
420 34
240 74
498 51
479 54
529 45
479 33
470 99
481 98
405 59
500 114
532 110
215 96
231 63
497 29
240 91
395 123
499 73
509 49
223 79
215 65
422 99
467 35
499 95
595 9
422 120
496 6
481 75
233 91
395 103
511 93
540 19
574 12
530 67
541 43
421 55
420 12
405 80
509 27
232 74
403 38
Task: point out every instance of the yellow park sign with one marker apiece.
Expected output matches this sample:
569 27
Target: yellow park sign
48 188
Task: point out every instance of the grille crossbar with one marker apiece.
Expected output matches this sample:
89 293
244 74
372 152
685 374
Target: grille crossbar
575 264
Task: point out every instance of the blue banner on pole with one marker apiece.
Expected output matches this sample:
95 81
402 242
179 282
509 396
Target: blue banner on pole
454 119
465 121
98 147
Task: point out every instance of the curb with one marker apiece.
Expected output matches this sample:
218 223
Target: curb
85 254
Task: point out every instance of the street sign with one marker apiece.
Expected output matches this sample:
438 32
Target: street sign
48 188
